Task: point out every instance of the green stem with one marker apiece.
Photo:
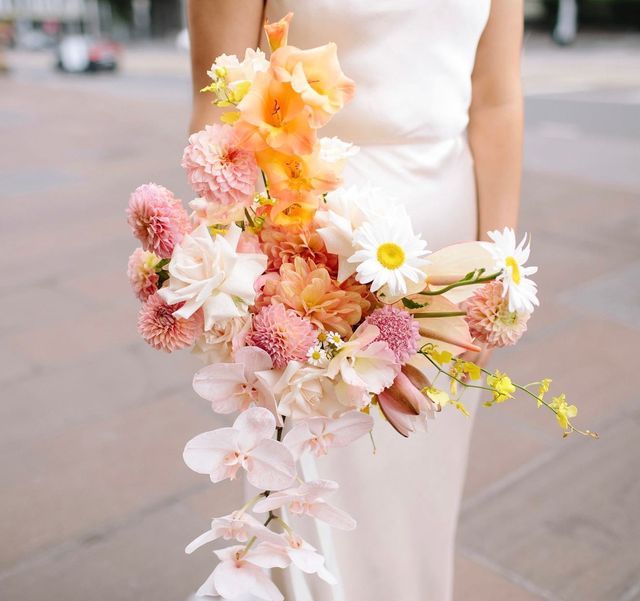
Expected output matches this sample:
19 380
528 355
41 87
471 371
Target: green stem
439 314
487 278
266 184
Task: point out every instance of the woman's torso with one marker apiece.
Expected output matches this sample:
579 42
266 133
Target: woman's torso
412 62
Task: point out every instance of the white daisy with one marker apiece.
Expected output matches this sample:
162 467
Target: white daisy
335 340
317 356
510 259
388 253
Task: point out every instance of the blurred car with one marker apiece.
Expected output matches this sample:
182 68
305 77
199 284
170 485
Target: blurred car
82 53
182 40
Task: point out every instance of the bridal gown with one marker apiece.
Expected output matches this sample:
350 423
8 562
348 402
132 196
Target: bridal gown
412 62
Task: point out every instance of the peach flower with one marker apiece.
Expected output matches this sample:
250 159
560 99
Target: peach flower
316 75
284 244
273 115
298 180
309 290
278 32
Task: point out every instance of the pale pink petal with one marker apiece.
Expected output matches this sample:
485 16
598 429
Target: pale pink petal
273 501
315 489
297 439
269 555
333 516
254 359
349 427
448 333
232 579
265 589
272 465
220 384
306 559
254 425
206 537
204 453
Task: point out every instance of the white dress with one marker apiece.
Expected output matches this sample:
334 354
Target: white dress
412 62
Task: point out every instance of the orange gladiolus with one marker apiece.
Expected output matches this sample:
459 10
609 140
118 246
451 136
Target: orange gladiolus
297 182
278 32
273 115
317 76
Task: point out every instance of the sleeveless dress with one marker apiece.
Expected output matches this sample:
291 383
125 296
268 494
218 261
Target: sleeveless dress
412 62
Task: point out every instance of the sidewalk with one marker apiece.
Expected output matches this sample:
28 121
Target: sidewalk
96 503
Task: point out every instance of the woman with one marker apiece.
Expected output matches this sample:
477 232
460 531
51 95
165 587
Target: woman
438 118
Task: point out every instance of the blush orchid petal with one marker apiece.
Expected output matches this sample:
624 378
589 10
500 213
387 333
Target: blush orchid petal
306 499
241 572
247 445
231 387
318 434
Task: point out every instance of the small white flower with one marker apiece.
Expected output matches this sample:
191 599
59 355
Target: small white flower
335 340
389 254
510 259
317 356
334 150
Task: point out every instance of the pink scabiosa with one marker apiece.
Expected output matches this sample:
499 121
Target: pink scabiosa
157 219
164 331
398 329
489 318
221 172
283 334
141 271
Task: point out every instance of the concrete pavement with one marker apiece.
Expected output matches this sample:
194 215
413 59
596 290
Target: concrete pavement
96 503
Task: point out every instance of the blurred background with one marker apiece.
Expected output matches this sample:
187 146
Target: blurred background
95 502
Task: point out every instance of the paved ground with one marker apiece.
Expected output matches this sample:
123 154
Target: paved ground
96 503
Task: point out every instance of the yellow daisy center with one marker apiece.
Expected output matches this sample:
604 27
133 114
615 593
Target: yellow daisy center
515 269
390 255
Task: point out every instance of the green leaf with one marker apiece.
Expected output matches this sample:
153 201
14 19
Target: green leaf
409 304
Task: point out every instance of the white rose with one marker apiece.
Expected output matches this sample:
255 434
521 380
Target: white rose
209 273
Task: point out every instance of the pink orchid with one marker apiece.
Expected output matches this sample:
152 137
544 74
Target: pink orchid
364 365
403 403
318 434
238 526
247 445
242 572
306 499
235 386
302 554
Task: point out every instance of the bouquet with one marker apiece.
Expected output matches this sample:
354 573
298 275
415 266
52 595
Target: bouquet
317 309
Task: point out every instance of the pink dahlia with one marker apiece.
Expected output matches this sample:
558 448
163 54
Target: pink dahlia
398 329
220 171
163 330
157 219
282 333
489 318
142 273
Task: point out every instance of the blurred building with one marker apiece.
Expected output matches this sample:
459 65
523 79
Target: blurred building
37 23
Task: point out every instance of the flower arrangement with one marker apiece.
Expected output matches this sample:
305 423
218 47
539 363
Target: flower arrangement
316 308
